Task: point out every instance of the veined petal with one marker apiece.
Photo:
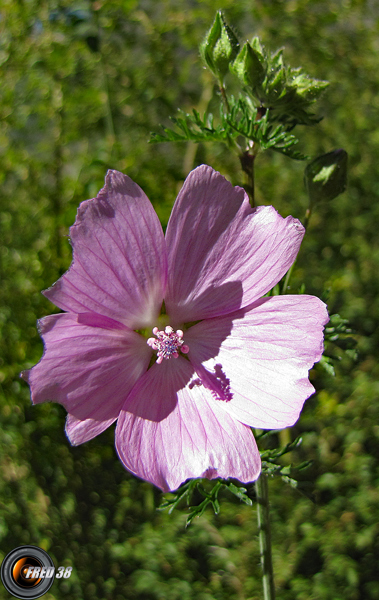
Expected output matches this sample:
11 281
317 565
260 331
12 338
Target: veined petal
90 364
119 266
171 429
223 254
262 367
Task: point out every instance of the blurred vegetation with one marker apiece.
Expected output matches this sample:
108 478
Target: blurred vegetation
82 86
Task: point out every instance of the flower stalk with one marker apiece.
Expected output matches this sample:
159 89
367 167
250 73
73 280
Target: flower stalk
224 97
264 532
247 160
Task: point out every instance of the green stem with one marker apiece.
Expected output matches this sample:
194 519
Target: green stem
264 531
247 160
190 155
307 217
224 97
288 276
308 214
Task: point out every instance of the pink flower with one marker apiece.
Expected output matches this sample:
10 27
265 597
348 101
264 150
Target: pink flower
220 360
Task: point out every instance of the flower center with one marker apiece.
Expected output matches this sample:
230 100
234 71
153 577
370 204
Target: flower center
167 343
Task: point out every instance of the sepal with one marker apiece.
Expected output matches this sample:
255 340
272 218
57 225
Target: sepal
250 67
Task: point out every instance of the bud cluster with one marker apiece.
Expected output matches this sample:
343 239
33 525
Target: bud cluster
273 98
286 92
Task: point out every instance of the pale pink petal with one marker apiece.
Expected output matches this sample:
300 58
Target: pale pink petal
90 364
260 369
223 255
172 429
119 264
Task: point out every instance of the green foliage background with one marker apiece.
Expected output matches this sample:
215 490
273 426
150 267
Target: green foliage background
82 86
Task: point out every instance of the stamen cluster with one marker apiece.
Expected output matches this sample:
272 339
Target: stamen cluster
167 343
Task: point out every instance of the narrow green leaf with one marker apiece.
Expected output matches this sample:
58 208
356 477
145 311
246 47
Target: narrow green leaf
240 492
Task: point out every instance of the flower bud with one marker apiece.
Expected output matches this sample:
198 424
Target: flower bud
219 47
325 176
249 66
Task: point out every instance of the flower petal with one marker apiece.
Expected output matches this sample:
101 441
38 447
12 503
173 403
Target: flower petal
170 429
223 255
119 264
90 364
262 366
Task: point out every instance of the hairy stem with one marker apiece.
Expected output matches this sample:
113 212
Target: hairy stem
224 97
190 155
263 513
307 217
288 276
308 214
247 163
